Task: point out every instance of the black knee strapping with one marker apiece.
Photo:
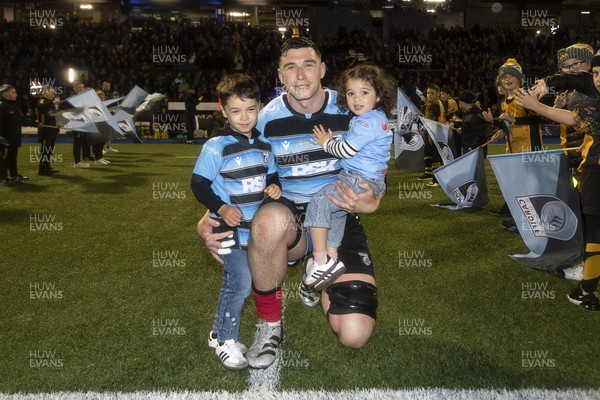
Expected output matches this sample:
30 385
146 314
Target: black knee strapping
353 297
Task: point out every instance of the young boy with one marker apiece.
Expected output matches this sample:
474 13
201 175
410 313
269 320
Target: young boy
233 172
369 94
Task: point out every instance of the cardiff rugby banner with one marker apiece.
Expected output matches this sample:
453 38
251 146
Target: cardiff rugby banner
408 139
538 189
442 137
464 181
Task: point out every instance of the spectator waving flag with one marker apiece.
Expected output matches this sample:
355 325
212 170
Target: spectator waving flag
442 138
538 190
408 140
464 181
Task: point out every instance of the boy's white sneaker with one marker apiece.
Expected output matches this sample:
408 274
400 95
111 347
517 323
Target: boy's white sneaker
321 276
230 355
81 165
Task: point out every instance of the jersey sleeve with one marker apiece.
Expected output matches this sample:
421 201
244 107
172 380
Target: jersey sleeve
209 161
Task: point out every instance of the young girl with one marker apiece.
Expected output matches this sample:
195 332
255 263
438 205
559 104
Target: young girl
369 94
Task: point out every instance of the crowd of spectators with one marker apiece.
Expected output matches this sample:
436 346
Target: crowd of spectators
168 57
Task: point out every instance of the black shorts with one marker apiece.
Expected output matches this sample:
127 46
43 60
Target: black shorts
353 251
590 190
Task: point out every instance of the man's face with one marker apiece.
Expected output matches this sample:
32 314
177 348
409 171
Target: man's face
573 65
301 71
78 88
432 94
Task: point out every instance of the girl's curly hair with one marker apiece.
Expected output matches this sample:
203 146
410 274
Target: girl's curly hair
384 84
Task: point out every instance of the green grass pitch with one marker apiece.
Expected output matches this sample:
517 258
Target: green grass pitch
105 286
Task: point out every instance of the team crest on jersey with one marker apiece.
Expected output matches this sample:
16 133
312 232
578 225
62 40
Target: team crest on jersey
363 123
384 126
271 107
365 258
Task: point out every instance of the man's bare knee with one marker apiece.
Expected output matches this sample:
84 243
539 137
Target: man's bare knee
270 225
353 330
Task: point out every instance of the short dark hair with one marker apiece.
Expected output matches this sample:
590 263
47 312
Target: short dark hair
433 86
446 89
240 85
383 83
298 43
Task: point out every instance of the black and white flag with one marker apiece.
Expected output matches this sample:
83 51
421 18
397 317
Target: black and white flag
408 138
464 181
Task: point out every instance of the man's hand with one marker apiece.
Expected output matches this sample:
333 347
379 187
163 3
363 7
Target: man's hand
273 191
321 136
212 240
363 203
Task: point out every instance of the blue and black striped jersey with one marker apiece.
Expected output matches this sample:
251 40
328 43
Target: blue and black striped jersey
302 165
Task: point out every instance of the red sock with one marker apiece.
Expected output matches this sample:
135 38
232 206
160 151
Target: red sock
269 304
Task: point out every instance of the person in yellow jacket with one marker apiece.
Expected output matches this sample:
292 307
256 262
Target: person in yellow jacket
525 132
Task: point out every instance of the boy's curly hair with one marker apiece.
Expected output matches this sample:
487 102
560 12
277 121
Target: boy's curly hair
384 84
